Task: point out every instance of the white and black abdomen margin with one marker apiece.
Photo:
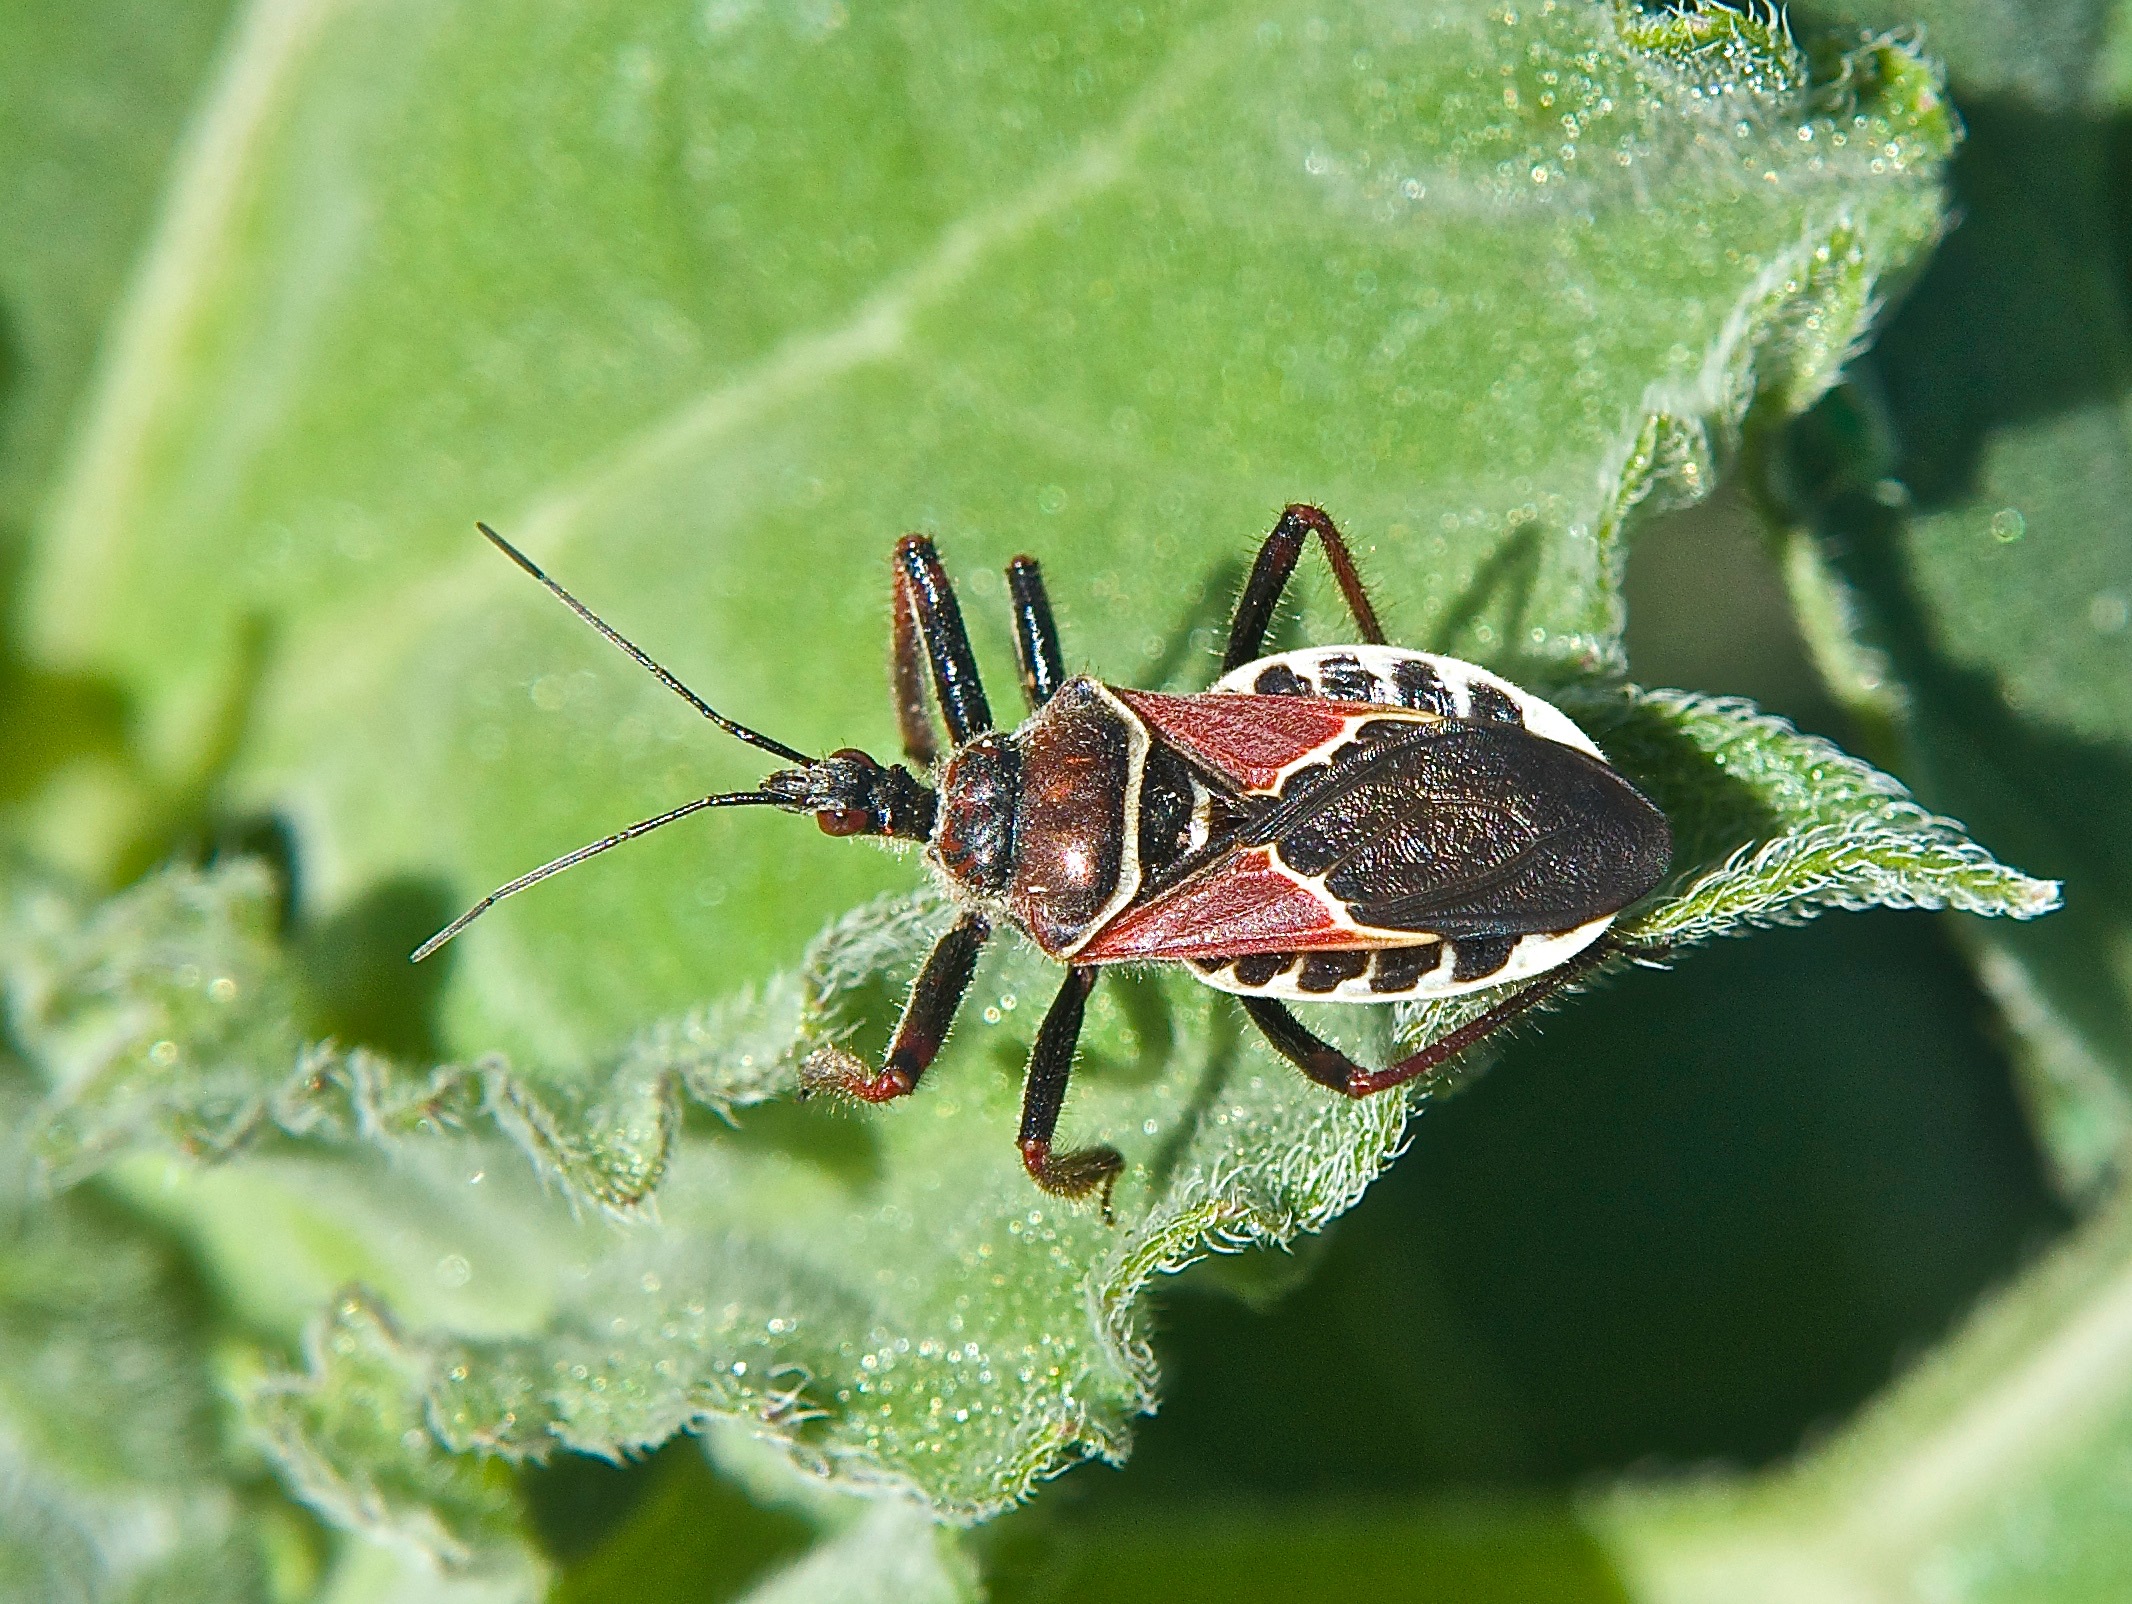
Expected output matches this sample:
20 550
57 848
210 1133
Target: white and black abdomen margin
1392 676
1396 964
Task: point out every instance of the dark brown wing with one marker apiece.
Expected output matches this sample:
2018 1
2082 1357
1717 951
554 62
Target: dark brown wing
1466 829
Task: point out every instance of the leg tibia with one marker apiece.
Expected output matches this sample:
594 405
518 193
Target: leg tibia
1277 558
1082 1170
930 1010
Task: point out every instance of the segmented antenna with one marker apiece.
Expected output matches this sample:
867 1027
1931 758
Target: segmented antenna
642 658
730 799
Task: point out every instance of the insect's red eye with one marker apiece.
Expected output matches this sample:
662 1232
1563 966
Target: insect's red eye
844 821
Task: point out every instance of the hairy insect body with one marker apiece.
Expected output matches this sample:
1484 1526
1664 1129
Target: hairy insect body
973 842
1345 824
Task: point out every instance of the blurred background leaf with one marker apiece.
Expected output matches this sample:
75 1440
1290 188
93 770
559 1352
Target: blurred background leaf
92 101
1951 528
113 1478
1963 499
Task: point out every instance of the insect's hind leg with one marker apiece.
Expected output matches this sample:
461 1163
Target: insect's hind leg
1277 558
927 633
1331 1068
935 996
1081 1171
1036 634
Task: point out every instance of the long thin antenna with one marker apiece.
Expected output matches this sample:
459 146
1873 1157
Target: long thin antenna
730 799
642 658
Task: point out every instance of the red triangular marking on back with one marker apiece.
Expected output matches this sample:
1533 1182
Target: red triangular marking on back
1237 906
1246 739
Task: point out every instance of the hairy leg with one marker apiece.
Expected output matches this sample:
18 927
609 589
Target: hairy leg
1329 1067
935 996
1277 558
1080 1171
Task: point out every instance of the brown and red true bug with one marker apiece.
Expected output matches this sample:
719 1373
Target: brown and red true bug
1343 824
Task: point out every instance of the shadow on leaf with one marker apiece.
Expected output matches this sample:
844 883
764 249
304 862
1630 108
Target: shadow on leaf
2001 328
666 1526
821 1131
2036 796
360 988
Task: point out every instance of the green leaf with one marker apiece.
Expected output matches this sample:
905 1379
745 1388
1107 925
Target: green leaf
1957 542
753 1529
114 1483
891 1554
1963 546
374 1573
1995 1471
172 1013
911 1313
2042 52
1505 1550
691 296
1000 1347
1801 826
362 1452
93 97
665 298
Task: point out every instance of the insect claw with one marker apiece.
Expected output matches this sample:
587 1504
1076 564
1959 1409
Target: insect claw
1074 1174
826 1069
834 1070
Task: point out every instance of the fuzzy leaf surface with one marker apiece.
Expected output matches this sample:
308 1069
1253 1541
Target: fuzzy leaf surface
886 1298
674 301
114 1483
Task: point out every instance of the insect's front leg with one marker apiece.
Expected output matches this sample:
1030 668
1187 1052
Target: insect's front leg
1270 575
1329 1067
928 618
907 675
927 1014
1081 1171
1036 634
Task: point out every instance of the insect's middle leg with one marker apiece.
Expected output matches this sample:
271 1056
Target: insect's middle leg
1329 1067
1270 575
1081 1171
928 633
935 996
